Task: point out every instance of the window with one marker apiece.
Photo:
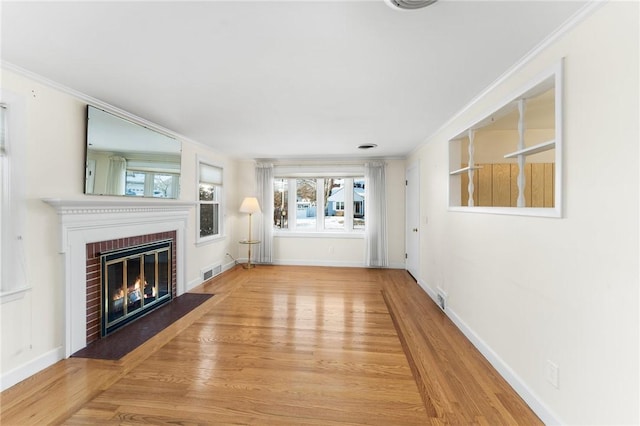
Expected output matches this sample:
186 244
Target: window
152 178
3 168
509 162
148 184
209 202
13 276
327 204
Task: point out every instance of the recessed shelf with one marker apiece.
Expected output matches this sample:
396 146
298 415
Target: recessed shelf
464 169
544 146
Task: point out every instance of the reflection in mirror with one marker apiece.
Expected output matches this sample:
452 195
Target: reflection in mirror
124 158
512 157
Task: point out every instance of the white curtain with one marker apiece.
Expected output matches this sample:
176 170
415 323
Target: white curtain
264 184
116 176
376 215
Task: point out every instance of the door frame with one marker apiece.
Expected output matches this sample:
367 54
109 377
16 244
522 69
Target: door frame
412 219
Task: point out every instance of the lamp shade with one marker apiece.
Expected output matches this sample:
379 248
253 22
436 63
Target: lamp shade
250 205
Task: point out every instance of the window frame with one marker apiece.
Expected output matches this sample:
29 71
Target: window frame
220 202
320 231
149 182
556 74
14 281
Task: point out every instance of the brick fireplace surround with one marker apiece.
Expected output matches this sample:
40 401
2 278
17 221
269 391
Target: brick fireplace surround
110 223
94 282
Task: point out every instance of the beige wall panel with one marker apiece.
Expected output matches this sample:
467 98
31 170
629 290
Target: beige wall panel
537 185
501 185
464 185
485 176
549 183
514 185
527 185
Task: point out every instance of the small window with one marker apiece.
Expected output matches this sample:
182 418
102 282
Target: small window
209 202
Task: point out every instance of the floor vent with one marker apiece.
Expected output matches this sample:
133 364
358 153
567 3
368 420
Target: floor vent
441 297
210 272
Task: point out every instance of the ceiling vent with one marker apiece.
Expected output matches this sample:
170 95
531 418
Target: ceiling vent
411 4
367 146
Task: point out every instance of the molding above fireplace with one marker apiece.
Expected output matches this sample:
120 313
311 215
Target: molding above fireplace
89 220
100 204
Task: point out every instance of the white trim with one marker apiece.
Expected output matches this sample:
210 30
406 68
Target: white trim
553 212
568 25
91 220
194 283
14 294
516 382
32 367
319 234
329 263
318 171
96 102
553 73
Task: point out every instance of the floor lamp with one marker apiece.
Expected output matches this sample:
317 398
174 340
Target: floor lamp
250 205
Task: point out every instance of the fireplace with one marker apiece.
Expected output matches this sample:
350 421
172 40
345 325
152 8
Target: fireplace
135 281
92 226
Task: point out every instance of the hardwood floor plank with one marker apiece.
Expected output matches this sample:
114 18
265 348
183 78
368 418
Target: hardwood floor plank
285 345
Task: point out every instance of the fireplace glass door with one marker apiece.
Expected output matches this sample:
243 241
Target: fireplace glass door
134 281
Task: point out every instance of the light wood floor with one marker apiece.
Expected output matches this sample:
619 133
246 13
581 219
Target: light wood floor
285 345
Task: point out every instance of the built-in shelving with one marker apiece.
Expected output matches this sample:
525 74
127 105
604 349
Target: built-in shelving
545 146
464 169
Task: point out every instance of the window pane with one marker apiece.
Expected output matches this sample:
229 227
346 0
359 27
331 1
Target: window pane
334 205
207 192
358 204
206 220
306 203
210 174
163 185
280 203
134 185
164 275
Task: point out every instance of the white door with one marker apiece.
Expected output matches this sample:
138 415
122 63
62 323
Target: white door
412 232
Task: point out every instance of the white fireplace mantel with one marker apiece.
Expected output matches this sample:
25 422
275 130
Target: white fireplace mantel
90 220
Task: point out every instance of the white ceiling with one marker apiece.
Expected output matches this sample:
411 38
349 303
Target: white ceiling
281 79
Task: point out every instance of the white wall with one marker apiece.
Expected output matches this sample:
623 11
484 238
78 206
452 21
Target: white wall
333 251
528 289
32 326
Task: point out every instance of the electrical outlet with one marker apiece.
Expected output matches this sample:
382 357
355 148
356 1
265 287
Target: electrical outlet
552 373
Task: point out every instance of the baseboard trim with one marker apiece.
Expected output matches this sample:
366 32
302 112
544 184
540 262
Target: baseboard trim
515 381
330 263
15 376
224 268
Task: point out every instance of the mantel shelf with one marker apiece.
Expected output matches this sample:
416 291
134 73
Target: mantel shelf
91 205
545 146
464 169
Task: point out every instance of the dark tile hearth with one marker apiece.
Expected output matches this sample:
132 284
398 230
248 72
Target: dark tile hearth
129 337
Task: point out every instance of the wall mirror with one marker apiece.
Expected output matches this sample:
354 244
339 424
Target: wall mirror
128 159
510 161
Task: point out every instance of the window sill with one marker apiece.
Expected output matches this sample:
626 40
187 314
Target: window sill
299 234
513 211
209 240
12 295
